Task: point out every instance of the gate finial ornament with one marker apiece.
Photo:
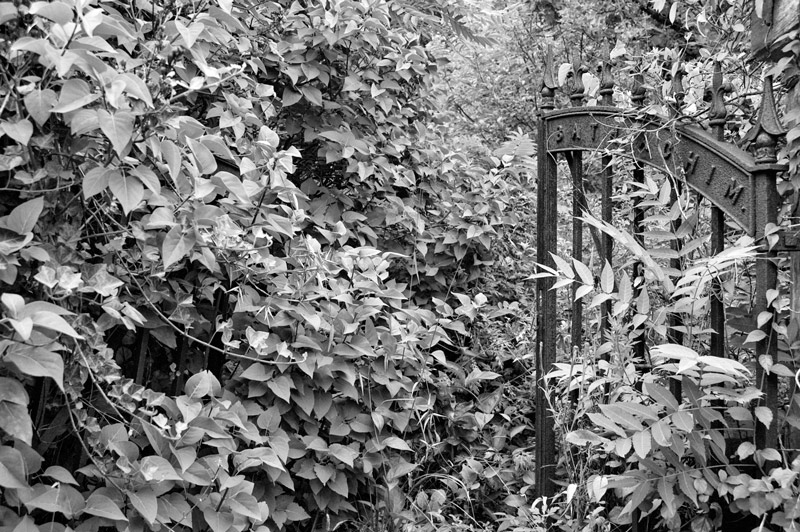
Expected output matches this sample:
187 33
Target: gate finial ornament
677 89
763 136
576 94
719 88
548 83
606 78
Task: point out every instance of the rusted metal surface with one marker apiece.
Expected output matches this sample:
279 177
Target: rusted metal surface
575 161
763 138
546 213
717 118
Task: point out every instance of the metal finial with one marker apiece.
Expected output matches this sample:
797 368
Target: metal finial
763 136
606 78
576 94
548 82
638 92
718 113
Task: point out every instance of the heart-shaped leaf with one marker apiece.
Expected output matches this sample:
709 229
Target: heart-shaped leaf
118 127
96 181
24 217
21 131
127 189
177 245
101 506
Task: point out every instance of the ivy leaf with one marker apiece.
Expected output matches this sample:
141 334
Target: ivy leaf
290 97
96 181
60 474
191 33
26 524
64 499
218 521
37 362
12 467
312 94
75 93
339 484
177 244
396 443
102 506
148 178
24 217
156 468
202 384
11 390
281 387
206 162
58 12
15 421
755 336
21 131
117 127
145 503
324 472
344 453
50 320
127 189
295 512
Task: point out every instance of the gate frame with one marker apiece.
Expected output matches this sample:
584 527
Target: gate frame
674 155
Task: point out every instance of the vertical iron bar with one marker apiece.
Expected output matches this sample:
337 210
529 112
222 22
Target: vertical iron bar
763 137
717 120
638 94
546 214
575 160
606 91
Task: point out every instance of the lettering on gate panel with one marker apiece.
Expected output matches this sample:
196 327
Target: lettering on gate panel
690 165
710 176
559 134
576 133
734 191
594 126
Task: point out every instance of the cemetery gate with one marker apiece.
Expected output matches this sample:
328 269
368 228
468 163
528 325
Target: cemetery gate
740 187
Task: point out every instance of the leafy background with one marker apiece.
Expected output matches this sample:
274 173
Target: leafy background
269 266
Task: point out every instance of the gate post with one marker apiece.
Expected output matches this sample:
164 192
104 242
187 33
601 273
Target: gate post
763 138
546 226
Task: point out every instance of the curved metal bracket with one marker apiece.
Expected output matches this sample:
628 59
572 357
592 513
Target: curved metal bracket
719 171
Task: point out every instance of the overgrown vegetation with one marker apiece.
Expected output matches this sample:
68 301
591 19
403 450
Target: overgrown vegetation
267 266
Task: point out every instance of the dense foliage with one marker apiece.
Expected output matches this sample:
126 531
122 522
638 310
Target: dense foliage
268 266
232 248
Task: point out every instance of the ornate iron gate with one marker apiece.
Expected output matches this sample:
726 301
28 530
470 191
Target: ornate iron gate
740 187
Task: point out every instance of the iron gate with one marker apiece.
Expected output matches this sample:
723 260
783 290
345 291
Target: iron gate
740 187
